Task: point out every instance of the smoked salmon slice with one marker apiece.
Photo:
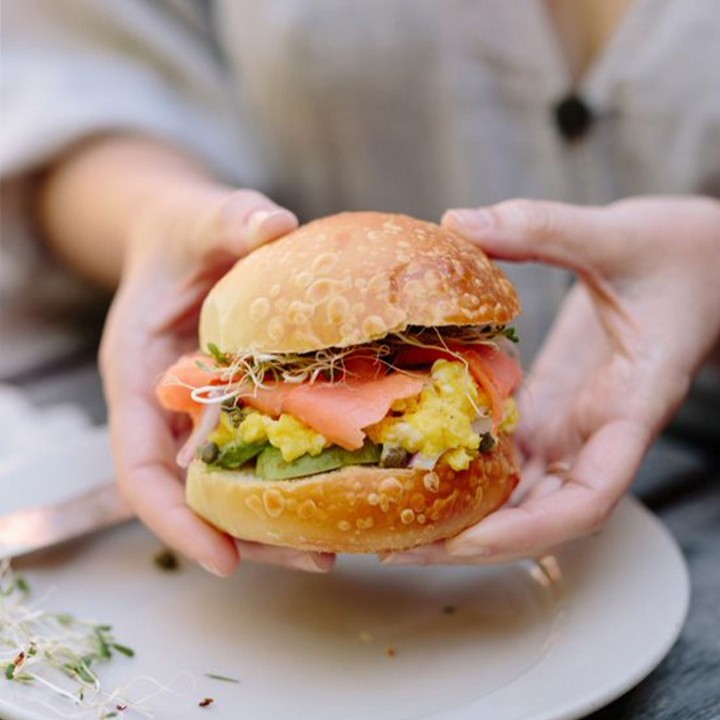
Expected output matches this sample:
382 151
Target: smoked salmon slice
268 399
339 411
178 381
496 372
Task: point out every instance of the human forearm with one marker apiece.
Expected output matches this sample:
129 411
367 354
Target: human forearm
94 197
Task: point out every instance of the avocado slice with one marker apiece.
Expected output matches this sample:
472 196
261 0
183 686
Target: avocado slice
237 453
271 466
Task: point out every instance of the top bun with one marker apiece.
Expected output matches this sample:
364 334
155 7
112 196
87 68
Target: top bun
353 278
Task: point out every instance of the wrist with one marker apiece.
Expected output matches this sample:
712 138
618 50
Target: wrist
96 197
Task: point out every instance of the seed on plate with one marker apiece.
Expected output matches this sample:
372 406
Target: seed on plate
166 560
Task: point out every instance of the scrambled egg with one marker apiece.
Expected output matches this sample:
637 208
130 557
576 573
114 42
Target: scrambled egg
511 416
291 436
439 420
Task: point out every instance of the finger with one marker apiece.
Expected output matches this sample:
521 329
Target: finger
533 472
526 230
582 239
600 475
285 557
244 221
149 481
552 381
578 333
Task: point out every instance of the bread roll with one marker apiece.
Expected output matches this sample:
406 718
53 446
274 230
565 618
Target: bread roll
352 278
340 281
355 509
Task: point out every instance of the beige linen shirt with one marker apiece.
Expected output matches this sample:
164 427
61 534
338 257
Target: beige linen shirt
404 105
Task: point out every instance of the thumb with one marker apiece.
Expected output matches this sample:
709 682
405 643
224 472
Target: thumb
242 221
569 236
582 239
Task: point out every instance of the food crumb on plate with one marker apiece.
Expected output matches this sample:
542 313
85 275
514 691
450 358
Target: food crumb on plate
166 560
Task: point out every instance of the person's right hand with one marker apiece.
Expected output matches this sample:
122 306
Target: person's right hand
617 363
177 251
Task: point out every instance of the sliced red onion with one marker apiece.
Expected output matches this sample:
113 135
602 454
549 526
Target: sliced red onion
208 420
507 346
424 462
482 425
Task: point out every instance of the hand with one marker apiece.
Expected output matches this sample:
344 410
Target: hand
175 254
616 365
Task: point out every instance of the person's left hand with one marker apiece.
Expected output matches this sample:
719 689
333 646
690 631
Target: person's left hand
616 365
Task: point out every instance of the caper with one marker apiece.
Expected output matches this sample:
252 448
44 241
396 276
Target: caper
229 405
487 443
209 453
393 456
237 415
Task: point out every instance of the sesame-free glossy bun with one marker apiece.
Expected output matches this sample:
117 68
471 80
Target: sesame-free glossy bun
355 509
352 278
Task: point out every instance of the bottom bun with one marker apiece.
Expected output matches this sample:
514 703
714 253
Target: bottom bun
356 509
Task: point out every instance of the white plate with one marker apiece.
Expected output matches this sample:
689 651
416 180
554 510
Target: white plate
543 642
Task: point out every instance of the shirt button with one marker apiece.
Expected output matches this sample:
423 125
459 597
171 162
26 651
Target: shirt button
573 118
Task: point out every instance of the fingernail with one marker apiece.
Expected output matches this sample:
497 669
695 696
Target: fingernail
469 222
260 217
212 569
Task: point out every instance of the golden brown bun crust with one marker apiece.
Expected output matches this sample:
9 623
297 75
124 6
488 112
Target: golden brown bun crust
355 509
351 278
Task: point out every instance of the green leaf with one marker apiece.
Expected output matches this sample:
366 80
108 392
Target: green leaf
511 334
83 672
237 453
104 647
271 466
124 649
24 678
22 584
220 357
222 678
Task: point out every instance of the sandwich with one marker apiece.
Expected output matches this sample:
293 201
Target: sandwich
353 390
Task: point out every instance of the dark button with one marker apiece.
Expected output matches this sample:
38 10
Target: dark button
573 117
